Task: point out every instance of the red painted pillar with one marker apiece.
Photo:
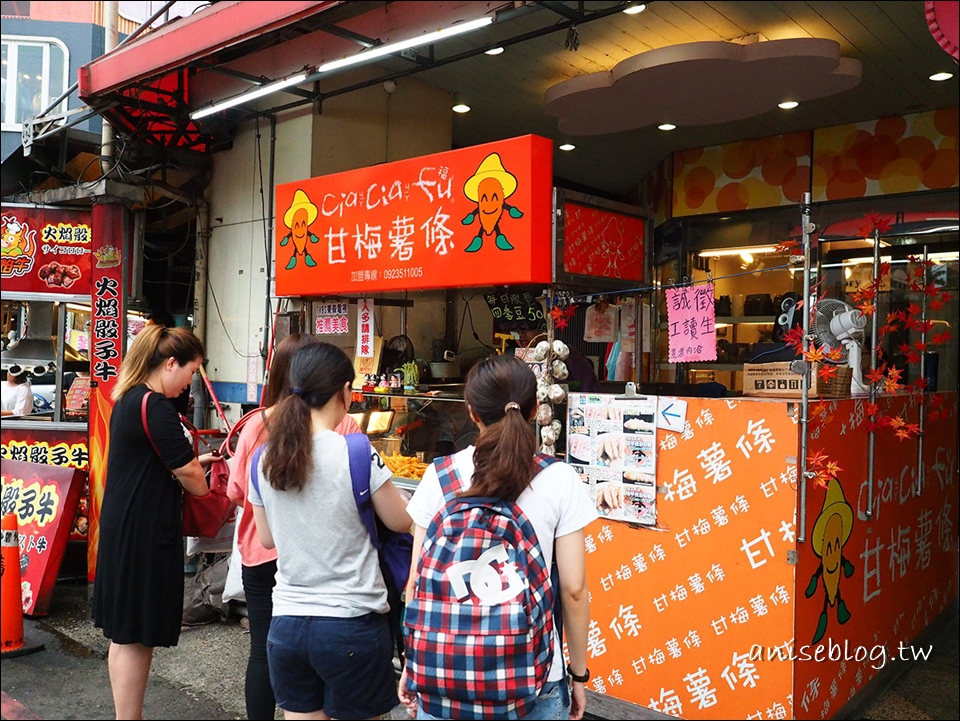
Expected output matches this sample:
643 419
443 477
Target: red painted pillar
107 335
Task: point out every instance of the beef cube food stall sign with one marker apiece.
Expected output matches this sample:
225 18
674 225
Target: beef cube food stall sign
471 217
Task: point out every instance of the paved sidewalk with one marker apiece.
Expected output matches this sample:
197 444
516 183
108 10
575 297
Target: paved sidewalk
202 678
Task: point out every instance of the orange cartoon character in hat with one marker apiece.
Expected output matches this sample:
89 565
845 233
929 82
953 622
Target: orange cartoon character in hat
489 188
831 531
298 218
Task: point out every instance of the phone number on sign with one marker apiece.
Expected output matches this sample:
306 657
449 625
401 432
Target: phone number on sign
403 273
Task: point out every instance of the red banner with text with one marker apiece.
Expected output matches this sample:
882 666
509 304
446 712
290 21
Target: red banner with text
45 250
44 499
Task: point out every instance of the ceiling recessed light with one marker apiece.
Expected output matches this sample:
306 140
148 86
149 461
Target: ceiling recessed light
459 106
634 9
493 51
788 105
567 147
940 77
667 126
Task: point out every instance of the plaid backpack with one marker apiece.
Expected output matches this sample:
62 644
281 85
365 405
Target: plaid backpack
480 624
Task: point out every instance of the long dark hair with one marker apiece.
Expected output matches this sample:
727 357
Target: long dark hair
503 458
318 372
278 384
150 349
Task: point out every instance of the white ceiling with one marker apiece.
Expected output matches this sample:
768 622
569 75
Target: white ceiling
890 40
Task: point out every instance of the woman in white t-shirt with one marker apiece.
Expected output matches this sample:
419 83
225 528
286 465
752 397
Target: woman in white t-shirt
17 397
501 397
330 646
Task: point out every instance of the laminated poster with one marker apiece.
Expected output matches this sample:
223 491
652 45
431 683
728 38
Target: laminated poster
611 442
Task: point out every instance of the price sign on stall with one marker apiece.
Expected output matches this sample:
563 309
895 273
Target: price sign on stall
365 330
690 324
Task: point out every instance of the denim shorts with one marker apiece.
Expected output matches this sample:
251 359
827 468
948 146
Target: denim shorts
342 666
553 703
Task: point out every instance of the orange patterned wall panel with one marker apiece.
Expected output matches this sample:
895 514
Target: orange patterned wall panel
684 615
764 173
864 596
887 156
656 191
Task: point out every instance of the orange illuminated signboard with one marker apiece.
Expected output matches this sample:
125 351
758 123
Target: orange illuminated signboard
471 217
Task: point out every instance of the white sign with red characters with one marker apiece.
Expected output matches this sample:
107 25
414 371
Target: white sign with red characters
365 328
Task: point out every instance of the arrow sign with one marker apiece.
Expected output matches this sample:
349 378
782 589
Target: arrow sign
671 414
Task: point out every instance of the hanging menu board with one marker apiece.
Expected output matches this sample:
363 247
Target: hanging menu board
611 442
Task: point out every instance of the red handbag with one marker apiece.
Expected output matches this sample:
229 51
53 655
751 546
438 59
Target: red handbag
203 516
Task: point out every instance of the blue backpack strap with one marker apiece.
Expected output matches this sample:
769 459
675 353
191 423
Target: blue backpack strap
543 460
254 463
358 449
449 477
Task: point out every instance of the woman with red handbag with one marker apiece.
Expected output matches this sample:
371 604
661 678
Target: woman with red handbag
138 594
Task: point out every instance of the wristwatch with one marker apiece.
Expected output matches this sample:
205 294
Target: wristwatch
579 679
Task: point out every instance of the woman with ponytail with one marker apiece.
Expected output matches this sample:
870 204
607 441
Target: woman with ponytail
501 398
138 594
330 645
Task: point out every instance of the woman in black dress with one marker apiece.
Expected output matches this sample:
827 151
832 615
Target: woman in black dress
138 594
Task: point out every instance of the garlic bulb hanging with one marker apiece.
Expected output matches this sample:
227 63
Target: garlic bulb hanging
559 370
543 389
544 414
557 394
541 351
548 435
560 349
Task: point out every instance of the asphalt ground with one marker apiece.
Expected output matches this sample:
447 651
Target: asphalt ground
202 678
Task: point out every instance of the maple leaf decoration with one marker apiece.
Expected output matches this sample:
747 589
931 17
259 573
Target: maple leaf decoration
890 385
561 323
902 433
815 355
877 375
872 408
942 337
826 371
832 469
872 426
820 409
868 308
875 222
817 459
836 355
896 422
785 246
556 313
568 313
794 338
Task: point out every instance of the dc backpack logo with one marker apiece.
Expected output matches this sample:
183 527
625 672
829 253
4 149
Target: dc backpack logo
493 580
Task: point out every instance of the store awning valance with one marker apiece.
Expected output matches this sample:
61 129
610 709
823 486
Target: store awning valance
144 87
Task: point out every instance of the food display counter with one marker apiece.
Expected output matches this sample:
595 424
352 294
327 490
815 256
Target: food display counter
389 248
